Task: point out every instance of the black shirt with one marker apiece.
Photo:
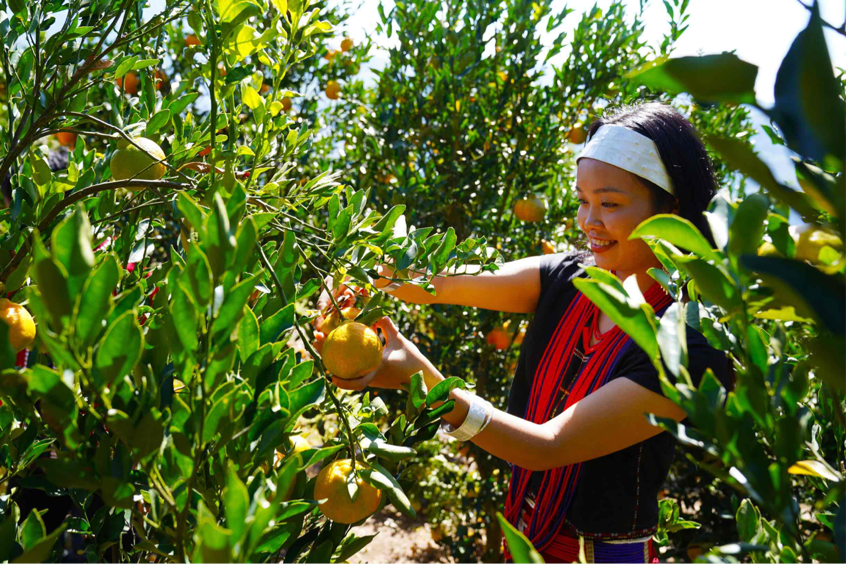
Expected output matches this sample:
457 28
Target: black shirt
617 494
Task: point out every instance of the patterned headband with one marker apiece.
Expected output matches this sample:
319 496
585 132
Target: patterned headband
629 150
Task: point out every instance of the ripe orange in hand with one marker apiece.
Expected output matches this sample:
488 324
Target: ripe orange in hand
352 350
20 322
129 82
331 321
531 208
331 485
66 139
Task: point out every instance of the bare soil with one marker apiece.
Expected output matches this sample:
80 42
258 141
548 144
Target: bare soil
399 539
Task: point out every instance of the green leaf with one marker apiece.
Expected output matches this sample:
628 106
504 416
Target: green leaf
232 310
712 282
394 453
378 477
248 335
710 78
236 502
747 521
219 410
42 550
809 108
52 284
442 389
158 121
304 398
278 323
633 320
8 356
120 349
32 530
125 66
672 339
740 157
250 97
416 395
199 276
96 300
678 231
747 227
815 468
518 545
184 313
220 243
812 293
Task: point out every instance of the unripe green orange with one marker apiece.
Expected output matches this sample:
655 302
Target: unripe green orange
129 161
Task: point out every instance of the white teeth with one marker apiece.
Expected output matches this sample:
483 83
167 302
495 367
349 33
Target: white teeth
599 243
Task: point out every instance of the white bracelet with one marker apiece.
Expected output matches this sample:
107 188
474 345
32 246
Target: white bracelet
478 416
391 287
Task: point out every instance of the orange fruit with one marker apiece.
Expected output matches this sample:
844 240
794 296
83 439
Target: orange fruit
162 81
498 338
331 486
352 350
287 104
521 334
204 152
577 134
129 83
330 55
20 322
531 208
547 247
66 138
264 88
192 40
346 44
332 89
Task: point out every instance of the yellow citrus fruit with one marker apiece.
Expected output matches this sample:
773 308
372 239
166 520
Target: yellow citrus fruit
578 134
128 160
332 89
811 241
531 208
331 485
331 321
352 350
346 44
298 444
20 322
547 247
768 250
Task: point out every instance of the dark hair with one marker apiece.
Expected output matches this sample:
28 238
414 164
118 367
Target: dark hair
683 154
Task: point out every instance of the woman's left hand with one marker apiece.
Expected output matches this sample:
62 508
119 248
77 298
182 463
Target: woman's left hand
400 360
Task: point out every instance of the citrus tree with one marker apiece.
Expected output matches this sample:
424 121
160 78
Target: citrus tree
171 269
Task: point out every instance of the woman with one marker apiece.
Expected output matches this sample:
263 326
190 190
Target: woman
586 462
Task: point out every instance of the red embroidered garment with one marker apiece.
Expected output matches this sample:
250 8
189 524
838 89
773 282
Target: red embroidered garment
558 485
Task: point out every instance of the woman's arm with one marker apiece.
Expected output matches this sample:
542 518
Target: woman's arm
608 420
514 288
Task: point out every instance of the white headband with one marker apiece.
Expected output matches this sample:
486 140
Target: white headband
629 150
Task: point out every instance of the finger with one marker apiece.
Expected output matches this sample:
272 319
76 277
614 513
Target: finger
389 330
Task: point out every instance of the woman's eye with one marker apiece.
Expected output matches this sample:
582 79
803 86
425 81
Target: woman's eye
609 204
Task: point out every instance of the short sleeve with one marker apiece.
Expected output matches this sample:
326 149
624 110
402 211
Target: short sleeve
636 366
558 270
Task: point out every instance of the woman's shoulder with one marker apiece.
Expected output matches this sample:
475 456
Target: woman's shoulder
562 268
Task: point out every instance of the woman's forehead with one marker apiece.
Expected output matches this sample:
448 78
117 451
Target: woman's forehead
593 175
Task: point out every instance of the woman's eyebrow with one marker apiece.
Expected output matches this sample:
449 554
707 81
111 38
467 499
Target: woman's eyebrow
601 190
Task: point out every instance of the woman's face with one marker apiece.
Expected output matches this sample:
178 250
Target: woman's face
612 203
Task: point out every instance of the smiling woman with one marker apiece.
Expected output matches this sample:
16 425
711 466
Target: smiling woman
587 465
